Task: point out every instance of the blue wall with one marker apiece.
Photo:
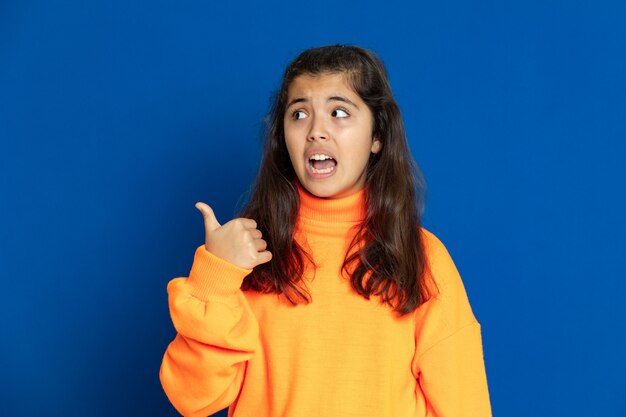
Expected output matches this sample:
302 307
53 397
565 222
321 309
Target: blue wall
117 116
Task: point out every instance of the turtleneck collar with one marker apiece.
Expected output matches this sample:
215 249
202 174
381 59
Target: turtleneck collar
350 209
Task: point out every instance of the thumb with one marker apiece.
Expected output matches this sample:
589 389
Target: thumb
210 222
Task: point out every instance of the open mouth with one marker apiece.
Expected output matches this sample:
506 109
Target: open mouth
322 164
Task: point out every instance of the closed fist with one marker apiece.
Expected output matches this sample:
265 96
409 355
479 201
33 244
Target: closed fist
238 241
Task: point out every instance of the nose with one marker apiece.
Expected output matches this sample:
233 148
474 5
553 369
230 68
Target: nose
318 129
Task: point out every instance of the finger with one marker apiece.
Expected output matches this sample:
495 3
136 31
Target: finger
248 223
255 233
264 257
260 245
210 221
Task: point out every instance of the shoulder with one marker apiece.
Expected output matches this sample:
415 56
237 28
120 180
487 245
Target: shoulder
442 268
435 251
431 242
449 305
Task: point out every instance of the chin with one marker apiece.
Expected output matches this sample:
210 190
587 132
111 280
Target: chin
328 192
318 190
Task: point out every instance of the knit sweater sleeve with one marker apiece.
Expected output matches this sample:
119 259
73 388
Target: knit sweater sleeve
448 362
203 368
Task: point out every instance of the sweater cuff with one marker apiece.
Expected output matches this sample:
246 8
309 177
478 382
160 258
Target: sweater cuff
212 276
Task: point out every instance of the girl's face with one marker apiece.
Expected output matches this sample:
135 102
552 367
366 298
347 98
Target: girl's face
328 133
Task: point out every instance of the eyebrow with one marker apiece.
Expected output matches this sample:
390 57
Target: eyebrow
332 98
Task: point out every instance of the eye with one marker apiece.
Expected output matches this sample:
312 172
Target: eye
298 114
341 113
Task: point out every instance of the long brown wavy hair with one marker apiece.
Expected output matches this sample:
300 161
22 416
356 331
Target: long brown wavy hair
387 256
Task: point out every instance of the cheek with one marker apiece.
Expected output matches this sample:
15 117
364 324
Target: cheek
359 161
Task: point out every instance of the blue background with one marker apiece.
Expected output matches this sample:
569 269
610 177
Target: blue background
117 116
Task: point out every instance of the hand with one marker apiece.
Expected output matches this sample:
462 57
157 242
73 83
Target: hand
238 241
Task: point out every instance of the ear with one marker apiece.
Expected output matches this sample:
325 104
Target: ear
377 145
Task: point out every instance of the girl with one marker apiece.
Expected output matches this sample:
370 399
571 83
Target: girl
327 297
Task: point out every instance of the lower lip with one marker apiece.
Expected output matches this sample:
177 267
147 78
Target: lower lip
319 175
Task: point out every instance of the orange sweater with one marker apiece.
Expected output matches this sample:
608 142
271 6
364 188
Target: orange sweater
340 355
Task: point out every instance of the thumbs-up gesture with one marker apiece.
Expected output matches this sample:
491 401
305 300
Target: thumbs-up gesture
238 241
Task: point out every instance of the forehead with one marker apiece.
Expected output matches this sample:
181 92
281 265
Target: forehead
308 85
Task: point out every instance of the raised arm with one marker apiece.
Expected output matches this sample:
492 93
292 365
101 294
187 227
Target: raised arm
217 333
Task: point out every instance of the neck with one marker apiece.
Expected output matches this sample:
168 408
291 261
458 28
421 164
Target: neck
350 209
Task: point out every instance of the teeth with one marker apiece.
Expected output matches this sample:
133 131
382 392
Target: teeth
323 171
320 157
